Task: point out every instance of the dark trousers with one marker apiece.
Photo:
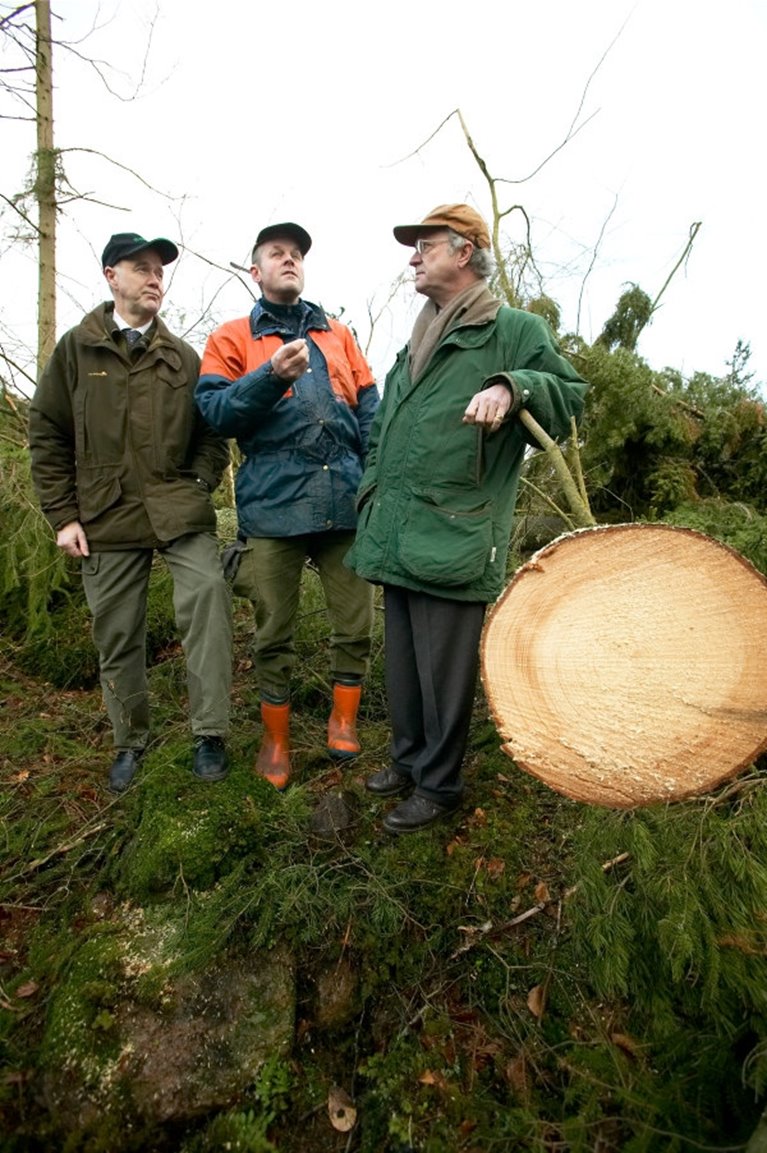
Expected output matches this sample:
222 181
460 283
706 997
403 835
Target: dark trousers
431 659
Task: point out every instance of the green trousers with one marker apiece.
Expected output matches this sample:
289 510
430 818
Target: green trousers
270 575
116 585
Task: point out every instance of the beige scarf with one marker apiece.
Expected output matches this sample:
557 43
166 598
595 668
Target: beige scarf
475 305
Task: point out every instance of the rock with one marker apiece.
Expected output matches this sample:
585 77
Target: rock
335 814
131 1046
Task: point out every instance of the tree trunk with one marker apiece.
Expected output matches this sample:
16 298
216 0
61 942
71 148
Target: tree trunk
45 186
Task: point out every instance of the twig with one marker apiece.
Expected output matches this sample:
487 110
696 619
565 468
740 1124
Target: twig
489 931
33 866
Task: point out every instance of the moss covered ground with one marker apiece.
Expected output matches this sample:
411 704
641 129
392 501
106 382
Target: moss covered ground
533 974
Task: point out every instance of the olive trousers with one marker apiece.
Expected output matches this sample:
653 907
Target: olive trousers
270 575
116 586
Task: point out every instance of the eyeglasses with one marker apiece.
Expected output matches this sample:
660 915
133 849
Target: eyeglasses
424 246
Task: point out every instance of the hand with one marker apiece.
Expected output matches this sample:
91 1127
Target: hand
72 539
489 407
291 360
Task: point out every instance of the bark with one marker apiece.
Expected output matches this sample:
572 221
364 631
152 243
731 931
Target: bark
45 186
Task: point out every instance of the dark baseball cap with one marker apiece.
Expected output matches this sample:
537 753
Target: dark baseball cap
293 231
125 244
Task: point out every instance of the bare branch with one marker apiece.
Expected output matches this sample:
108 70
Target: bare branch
124 167
13 15
15 366
374 318
428 140
579 506
592 262
12 204
694 230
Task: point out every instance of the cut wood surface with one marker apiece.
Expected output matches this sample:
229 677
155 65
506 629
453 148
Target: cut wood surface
627 664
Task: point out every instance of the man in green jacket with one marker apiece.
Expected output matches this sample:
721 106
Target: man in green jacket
124 466
437 497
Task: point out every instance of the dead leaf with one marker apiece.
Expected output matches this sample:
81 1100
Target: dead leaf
536 1000
28 989
495 867
517 1075
341 1109
626 1043
15 1077
542 894
20 777
431 1078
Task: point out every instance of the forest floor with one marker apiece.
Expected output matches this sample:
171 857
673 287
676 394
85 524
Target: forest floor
472 1024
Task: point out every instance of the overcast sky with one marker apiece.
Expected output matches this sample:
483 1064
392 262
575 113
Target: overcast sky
250 113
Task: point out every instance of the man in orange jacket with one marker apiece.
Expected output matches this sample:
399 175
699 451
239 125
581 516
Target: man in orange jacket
291 385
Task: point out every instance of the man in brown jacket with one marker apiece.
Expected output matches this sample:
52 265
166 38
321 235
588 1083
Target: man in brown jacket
124 465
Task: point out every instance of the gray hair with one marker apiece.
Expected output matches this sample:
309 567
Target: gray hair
481 261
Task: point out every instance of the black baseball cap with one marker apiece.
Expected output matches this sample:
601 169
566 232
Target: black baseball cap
294 231
124 244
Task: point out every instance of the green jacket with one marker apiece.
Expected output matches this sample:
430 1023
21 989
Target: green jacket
118 442
437 496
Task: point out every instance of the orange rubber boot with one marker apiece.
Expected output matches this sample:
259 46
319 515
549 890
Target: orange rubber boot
342 723
273 760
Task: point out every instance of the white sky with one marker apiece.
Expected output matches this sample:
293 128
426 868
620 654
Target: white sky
250 113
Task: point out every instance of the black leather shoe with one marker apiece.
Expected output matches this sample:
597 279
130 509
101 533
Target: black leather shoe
388 782
123 769
415 813
210 760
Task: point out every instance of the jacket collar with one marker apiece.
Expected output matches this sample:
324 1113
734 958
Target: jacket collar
263 322
96 328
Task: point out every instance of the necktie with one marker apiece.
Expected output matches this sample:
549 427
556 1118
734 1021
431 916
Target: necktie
131 335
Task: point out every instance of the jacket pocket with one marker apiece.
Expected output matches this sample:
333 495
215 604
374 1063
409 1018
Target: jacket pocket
445 544
97 490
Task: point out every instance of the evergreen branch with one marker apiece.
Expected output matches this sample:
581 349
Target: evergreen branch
678 401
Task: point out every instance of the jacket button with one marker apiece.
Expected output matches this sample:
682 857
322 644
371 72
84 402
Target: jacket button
324 468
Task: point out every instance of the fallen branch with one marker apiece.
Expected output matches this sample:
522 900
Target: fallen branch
60 850
578 506
488 930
